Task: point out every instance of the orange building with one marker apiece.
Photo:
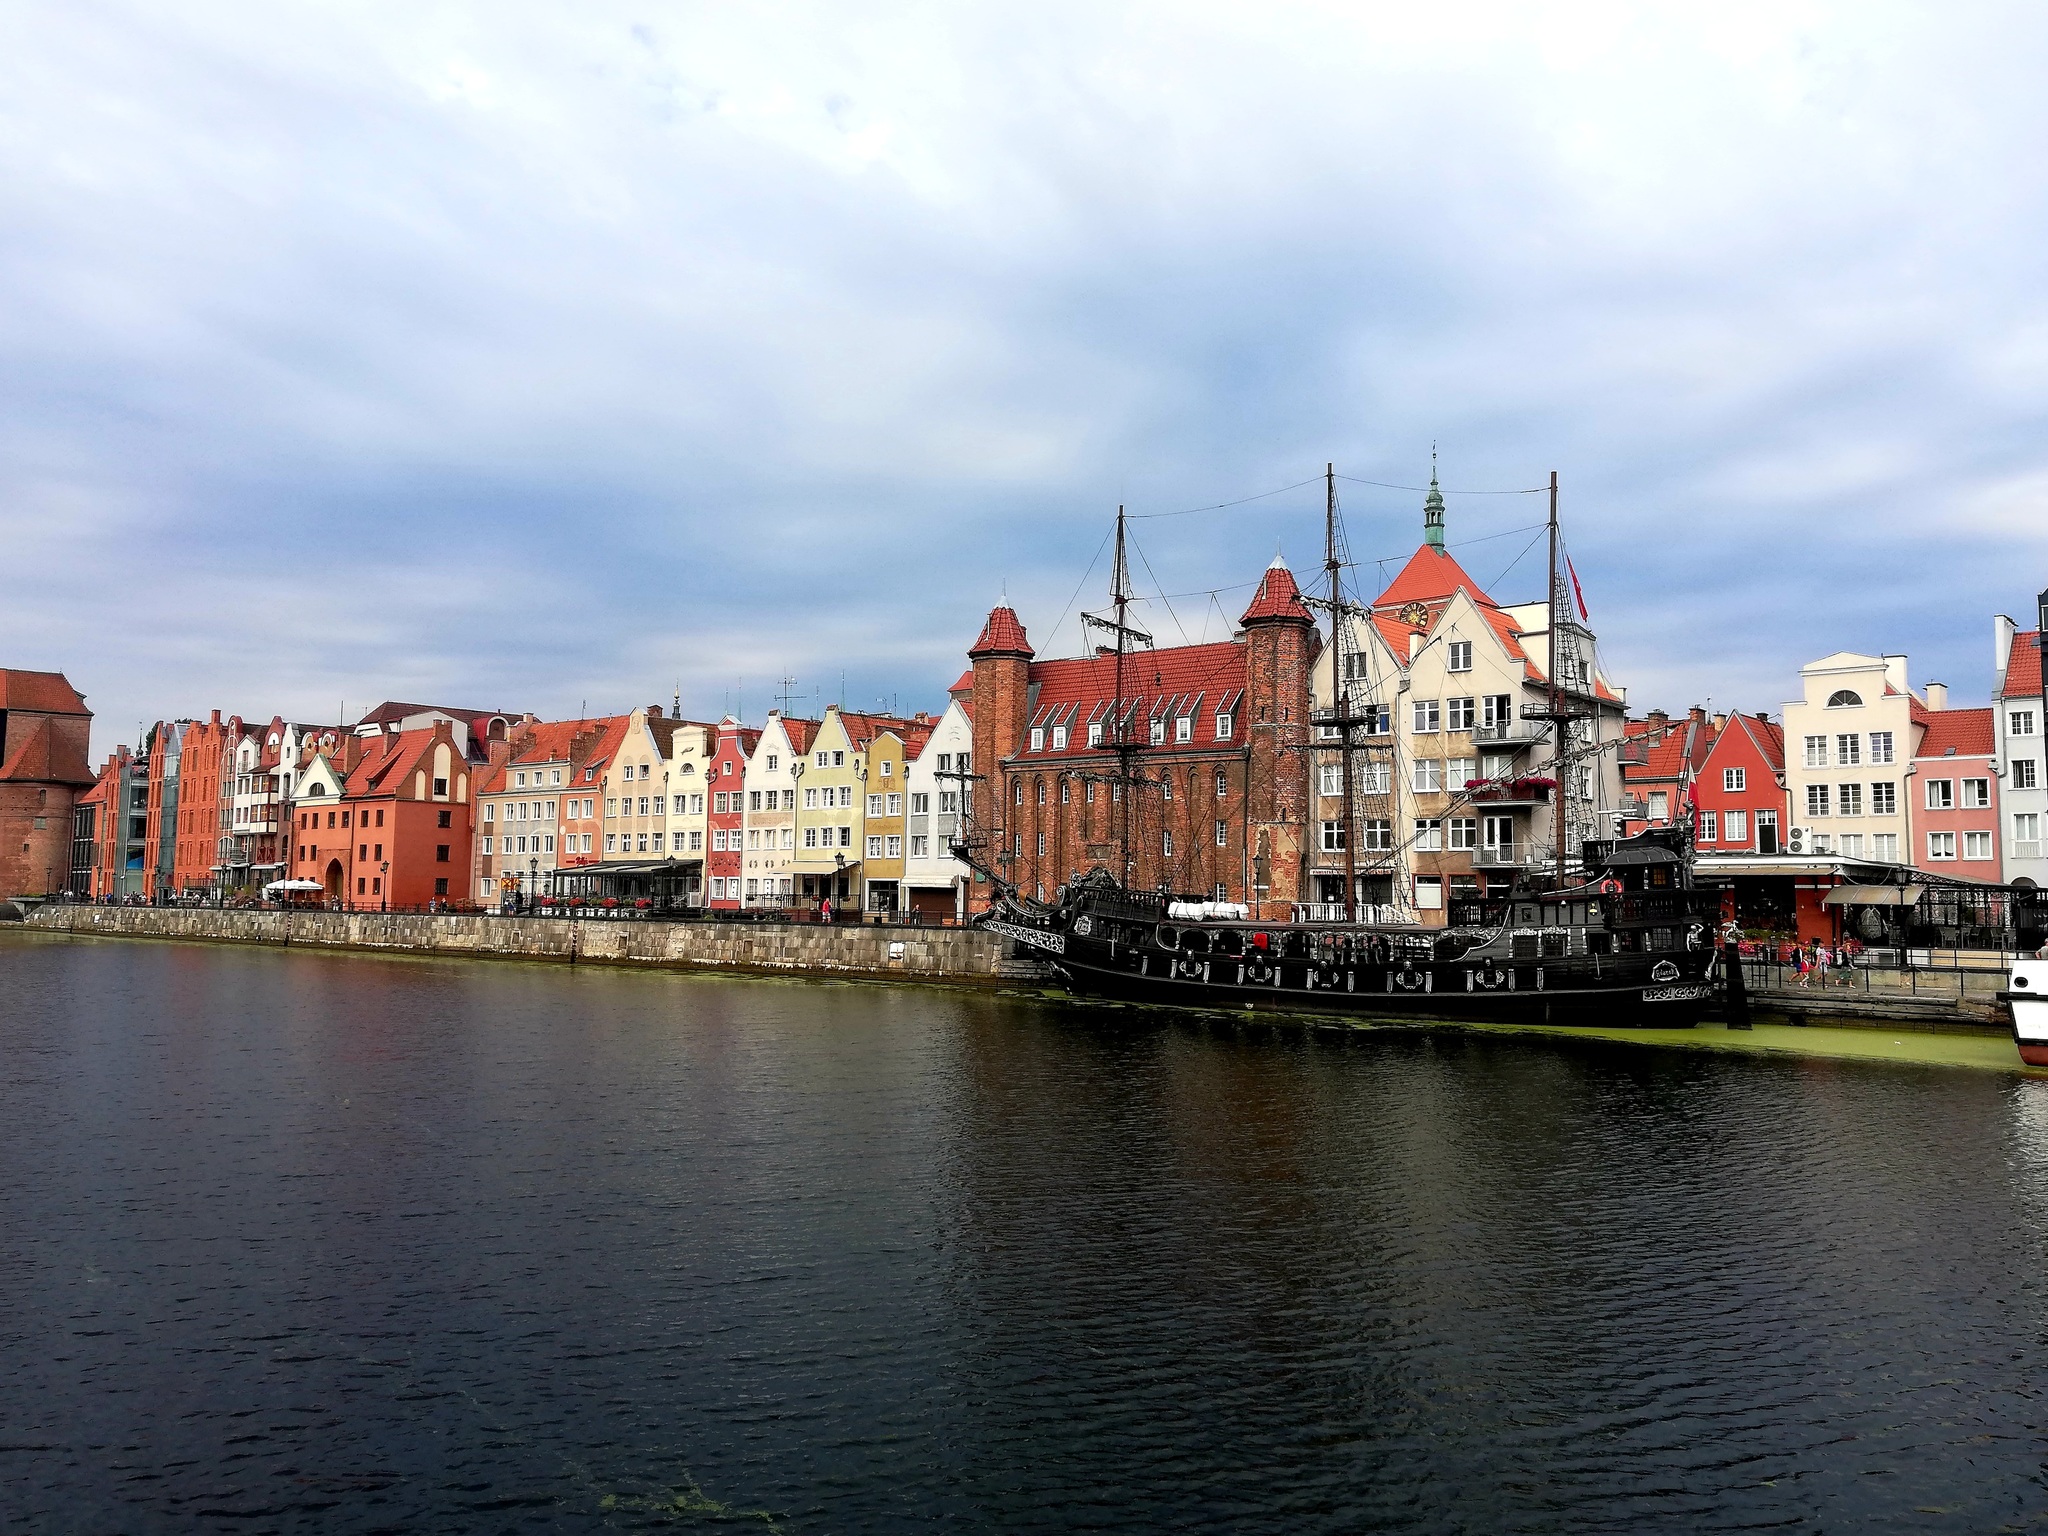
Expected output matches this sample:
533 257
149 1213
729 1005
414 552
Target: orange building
409 800
44 740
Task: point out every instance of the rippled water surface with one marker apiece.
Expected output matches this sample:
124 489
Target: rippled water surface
309 1242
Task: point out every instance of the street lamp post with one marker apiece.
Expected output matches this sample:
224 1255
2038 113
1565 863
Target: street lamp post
532 882
384 884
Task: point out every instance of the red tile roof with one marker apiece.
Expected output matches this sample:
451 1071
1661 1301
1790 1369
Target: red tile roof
1967 731
1001 635
43 758
1185 680
1429 576
42 692
1432 578
2022 668
1668 755
1277 598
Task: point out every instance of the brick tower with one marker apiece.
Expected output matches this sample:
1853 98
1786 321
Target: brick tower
1280 650
1002 709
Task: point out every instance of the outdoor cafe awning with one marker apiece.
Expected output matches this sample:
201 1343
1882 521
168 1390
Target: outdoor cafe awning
1873 896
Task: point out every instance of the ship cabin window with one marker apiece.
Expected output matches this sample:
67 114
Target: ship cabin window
1663 939
1294 946
1555 944
1228 942
1598 943
1628 941
1525 914
1659 876
1522 946
1169 938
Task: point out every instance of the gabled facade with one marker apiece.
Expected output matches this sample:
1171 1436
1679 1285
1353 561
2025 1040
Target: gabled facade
409 798
936 884
770 827
1661 760
635 790
530 804
830 831
2019 704
1741 788
725 786
1848 740
117 860
323 824
691 750
1454 787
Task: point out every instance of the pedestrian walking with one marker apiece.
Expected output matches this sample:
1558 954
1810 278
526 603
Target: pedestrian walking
1823 957
1800 965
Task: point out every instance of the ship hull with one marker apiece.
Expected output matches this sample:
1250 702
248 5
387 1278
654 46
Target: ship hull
1516 995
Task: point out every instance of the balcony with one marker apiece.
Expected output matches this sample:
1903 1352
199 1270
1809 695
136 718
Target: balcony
1524 791
1517 856
1507 733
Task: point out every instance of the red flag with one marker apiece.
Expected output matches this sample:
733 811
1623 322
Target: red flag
1577 591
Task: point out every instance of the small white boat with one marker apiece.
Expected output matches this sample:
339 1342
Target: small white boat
2027 995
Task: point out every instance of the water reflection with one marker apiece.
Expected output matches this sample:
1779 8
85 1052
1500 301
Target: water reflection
324 1243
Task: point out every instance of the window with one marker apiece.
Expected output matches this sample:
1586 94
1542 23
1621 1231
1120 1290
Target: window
1223 726
810 799
626 774
1222 784
490 812
874 805
1460 658
611 807
1429 836
1378 835
875 847
1941 795
486 846
1330 779
1377 719
1166 844
1158 733
824 759
1941 845
1426 716
1166 787
1976 845
1734 780
846 796
1461 714
1333 836
440 786
1497 711
444 818
810 837
611 842
1881 746
1735 826
896 800
1184 728
1976 794
1884 799
1845 698
1059 744
1848 750
1850 800
555 776
2026 835
1464 833
1816 799
1222 834
920 847
1885 847
1710 827
895 846
1041 791
2024 773
1816 751
2019 722
1429 892
1660 804
920 805
1095 733
1852 845
1429 776
846 837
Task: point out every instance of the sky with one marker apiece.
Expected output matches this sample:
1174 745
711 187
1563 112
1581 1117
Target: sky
558 357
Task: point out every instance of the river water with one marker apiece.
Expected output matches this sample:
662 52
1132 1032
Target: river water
309 1242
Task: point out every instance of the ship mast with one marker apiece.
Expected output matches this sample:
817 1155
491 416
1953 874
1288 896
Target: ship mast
1340 688
1120 627
1558 744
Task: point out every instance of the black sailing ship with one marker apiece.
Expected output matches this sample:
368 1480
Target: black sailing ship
1621 937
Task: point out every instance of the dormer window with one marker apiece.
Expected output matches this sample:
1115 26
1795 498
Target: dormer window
1223 727
1037 739
1059 738
1845 698
521 778
1158 732
1095 734
1184 728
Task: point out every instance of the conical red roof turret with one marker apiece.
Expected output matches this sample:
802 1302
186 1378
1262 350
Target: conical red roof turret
1002 635
1278 597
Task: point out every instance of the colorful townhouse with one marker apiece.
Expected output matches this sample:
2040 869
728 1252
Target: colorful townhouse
771 786
530 804
1454 790
691 751
1955 811
1848 740
635 790
726 821
2019 702
115 865
831 807
935 883
883 823
403 838
1741 787
324 825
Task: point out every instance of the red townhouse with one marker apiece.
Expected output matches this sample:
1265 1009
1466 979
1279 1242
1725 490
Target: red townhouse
1740 787
1953 796
1660 762
726 784
409 798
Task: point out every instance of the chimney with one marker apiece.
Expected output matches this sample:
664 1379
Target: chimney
1658 718
1720 724
654 711
1937 695
1895 671
2002 631
1697 715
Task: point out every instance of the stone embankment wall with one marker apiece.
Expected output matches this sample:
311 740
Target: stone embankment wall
936 954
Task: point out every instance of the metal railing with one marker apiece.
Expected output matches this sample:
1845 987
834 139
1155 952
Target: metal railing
1500 858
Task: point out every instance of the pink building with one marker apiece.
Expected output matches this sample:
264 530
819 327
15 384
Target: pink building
1953 795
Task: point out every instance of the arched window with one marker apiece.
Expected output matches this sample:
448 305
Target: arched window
1845 698
1041 790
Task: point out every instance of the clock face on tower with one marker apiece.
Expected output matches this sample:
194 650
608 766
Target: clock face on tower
1416 614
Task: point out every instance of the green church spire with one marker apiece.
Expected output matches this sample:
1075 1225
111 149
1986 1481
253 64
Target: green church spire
1433 508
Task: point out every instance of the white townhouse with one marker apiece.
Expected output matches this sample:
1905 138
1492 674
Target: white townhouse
935 883
1849 739
770 825
2019 708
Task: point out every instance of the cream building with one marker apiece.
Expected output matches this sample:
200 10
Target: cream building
1848 740
883 821
1454 787
771 789
691 746
635 790
935 884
